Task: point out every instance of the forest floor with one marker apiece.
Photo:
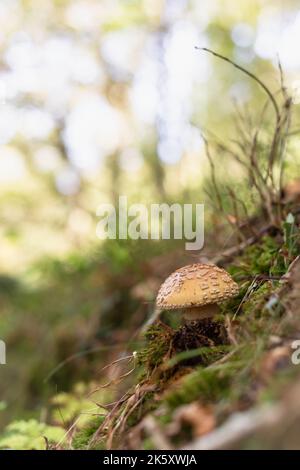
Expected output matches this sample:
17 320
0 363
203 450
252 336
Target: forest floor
147 393
242 392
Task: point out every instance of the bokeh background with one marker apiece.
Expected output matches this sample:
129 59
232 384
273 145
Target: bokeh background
101 98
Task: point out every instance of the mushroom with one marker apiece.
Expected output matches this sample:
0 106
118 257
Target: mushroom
196 288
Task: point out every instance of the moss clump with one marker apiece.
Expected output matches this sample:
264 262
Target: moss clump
255 304
208 384
200 356
264 258
30 435
225 382
158 337
83 437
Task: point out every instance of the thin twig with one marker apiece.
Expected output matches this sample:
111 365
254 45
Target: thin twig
247 72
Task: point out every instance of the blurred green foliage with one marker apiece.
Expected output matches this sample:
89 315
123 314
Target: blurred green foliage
30 435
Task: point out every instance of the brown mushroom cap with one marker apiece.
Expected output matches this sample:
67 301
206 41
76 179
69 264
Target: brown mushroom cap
195 285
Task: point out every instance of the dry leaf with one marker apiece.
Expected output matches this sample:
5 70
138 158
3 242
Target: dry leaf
274 360
199 417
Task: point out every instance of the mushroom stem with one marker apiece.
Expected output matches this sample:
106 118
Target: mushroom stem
198 313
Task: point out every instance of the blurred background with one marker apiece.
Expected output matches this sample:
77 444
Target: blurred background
101 98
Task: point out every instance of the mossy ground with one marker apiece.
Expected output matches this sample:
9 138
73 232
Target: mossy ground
231 364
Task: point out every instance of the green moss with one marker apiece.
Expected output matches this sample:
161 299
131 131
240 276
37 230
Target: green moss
206 355
207 384
83 437
148 444
255 303
30 435
224 382
158 339
261 258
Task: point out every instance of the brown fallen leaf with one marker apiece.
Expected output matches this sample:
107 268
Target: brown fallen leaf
199 417
274 360
291 192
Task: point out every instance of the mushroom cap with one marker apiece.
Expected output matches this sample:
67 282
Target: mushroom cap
196 285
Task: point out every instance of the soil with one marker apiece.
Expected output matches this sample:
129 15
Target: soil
199 334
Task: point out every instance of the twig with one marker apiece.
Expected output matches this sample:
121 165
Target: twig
230 331
259 277
155 433
213 175
247 72
246 296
